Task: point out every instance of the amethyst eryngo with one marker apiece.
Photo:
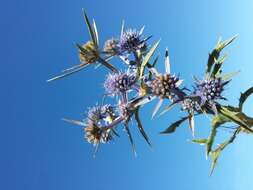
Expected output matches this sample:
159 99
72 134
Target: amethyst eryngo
165 86
117 83
209 91
98 113
142 77
96 134
131 40
96 124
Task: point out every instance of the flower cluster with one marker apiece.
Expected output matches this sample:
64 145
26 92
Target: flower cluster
138 82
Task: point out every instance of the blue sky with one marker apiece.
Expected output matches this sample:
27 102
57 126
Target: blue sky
39 151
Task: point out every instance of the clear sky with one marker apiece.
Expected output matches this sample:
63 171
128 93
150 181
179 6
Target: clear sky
41 152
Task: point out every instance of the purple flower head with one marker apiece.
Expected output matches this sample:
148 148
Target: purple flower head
130 41
209 90
98 113
117 83
190 104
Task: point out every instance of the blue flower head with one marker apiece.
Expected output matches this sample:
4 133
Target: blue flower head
131 41
117 83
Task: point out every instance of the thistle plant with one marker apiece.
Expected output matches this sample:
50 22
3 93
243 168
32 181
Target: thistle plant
137 82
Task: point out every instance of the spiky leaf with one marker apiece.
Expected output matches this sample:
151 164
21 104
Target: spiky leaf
234 117
141 129
244 97
200 141
217 65
130 136
172 128
90 29
217 120
147 58
216 53
228 76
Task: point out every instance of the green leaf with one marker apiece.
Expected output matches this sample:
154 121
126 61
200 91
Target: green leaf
152 66
244 97
147 58
172 128
217 120
234 117
141 129
214 157
91 32
216 153
220 46
228 76
211 60
216 53
218 65
200 141
130 136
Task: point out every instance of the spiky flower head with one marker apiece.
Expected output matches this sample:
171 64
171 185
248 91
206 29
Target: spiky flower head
131 40
116 83
88 53
111 46
165 86
98 113
209 90
190 104
96 134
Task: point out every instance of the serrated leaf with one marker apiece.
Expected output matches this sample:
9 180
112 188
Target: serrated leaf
147 58
228 76
152 66
217 120
216 153
218 65
244 97
141 129
216 53
233 116
172 128
221 45
211 60
214 157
